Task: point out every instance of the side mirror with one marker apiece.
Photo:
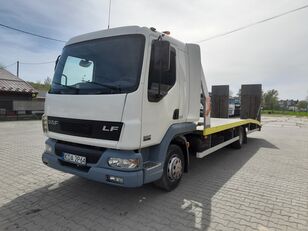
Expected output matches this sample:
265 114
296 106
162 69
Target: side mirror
85 63
57 60
161 55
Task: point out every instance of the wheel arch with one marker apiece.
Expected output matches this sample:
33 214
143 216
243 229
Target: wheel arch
175 134
181 141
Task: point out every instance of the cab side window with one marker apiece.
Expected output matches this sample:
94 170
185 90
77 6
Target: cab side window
166 80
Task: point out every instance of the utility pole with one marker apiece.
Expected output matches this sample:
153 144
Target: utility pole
109 14
17 71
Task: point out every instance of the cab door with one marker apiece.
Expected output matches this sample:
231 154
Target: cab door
159 113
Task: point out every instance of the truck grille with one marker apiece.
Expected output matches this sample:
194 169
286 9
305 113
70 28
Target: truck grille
85 128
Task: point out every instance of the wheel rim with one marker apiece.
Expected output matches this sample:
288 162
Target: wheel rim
174 170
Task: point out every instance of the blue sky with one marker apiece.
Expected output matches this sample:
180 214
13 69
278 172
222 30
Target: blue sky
274 53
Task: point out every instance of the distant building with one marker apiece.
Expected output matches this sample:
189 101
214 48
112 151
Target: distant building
288 104
17 97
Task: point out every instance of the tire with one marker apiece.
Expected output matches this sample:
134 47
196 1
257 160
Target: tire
173 169
245 140
238 144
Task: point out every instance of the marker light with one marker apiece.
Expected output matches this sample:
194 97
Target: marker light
45 123
166 32
115 179
48 148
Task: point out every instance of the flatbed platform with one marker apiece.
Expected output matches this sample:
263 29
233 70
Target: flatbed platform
221 124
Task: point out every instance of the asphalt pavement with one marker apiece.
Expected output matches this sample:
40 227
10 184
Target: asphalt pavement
263 186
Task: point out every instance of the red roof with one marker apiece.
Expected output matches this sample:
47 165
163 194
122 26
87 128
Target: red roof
11 83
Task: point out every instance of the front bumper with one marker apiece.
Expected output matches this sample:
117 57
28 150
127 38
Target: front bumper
130 179
99 171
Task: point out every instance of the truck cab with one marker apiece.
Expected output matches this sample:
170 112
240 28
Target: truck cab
120 100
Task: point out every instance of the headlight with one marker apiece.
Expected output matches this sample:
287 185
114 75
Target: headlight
123 163
45 123
48 148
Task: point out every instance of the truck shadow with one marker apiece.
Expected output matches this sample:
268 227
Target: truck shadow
76 203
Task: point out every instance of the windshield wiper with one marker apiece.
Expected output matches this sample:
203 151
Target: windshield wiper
107 86
66 86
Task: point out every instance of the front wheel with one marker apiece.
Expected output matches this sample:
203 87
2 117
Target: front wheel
173 169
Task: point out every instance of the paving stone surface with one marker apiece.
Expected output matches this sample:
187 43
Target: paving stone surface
263 186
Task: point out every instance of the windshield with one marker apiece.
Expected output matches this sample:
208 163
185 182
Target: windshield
104 66
231 101
234 101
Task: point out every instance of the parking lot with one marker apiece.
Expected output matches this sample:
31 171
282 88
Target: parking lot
263 186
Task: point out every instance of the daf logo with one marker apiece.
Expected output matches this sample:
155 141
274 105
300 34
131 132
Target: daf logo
110 128
53 122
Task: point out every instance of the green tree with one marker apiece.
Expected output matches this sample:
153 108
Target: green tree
302 105
47 81
270 99
45 86
238 94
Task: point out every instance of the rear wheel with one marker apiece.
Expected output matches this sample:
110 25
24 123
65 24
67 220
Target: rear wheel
245 140
173 169
238 144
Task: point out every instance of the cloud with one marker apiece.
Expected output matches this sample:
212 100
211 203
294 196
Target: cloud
274 53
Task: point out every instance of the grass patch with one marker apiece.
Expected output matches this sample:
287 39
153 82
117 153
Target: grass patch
288 113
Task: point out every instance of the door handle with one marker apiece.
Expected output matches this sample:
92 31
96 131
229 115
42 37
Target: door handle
176 113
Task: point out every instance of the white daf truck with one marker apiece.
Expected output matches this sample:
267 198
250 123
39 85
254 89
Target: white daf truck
124 109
